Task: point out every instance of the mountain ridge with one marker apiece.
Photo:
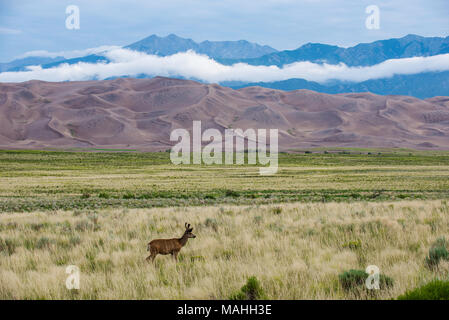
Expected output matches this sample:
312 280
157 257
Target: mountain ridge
362 54
171 44
422 85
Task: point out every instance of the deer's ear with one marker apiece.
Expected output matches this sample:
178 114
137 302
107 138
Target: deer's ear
190 230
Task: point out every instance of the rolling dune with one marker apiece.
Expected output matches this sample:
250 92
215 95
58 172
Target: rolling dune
141 113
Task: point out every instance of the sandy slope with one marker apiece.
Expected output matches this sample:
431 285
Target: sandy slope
141 113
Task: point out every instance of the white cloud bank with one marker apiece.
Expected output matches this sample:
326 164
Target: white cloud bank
192 65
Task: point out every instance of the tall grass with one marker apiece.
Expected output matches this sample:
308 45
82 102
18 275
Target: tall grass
296 251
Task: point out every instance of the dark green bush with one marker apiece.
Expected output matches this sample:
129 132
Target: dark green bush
104 195
437 252
435 290
252 290
354 280
232 193
129 195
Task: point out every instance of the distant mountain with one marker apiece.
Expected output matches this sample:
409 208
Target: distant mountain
92 58
171 44
422 85
20 64
364 54
230 52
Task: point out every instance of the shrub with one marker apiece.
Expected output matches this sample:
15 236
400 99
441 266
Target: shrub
232 193
252 290
354 280
104 195
38 226
437 252
83 226
354 244
43 243
211 223
74 240
85 195
435 290
129 195
8 246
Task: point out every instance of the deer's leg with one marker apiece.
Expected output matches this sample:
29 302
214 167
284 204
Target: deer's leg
175 255
151 256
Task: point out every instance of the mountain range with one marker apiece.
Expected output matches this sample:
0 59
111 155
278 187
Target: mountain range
420 85
160 46
364 54
165 46
141 113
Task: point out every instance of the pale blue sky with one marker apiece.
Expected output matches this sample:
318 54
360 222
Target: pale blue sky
28 25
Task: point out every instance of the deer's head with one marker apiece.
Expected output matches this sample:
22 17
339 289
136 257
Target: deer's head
188 233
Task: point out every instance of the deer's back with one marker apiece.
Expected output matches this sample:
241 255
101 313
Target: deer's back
165 246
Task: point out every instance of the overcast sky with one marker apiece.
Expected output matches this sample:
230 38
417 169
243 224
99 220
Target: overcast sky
28 25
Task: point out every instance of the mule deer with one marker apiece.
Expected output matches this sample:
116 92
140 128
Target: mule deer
169 246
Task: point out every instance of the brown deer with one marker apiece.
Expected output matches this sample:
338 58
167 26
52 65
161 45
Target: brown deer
169 246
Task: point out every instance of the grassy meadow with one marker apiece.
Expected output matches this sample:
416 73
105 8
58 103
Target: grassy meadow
322 214
35 180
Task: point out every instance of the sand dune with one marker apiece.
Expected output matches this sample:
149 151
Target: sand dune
141 113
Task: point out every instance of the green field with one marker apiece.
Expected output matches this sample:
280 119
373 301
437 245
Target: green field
299 232
38 180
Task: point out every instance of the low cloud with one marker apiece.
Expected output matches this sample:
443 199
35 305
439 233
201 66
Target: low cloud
68 54
191 65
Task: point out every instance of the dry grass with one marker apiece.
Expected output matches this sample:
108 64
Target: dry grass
295 250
